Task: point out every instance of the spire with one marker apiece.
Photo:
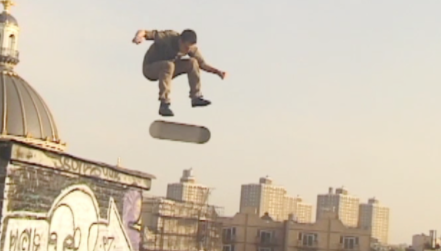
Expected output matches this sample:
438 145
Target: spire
9 32
7 4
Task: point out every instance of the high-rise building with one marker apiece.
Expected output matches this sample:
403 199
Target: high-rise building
265 197
188 190
301 211
376 217
345 205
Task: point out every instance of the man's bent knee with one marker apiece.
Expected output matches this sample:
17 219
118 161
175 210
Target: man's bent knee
193 62
148 77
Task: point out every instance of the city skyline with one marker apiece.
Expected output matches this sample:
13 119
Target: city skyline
342 99
267 199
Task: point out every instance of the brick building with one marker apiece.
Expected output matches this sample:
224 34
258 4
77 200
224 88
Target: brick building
51 200
246 231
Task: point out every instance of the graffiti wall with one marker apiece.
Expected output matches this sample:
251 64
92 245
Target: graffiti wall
47 209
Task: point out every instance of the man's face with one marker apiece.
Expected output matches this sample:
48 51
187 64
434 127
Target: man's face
184 47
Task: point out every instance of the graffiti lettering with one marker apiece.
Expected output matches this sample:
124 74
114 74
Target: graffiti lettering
132 216
76 166
73 223
70 164
25 235
27 240
107 243
53 241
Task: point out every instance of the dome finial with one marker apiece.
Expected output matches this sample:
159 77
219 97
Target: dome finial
7 4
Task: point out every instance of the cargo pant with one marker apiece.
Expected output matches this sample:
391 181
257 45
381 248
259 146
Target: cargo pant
165 71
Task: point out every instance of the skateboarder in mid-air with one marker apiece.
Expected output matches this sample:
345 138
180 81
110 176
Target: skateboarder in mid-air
163 61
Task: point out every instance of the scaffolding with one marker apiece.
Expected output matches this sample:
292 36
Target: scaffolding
171 225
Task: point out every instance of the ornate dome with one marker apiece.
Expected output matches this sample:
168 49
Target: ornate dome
24 115
5 17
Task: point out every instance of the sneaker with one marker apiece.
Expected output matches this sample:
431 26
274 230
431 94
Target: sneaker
164 110
200 102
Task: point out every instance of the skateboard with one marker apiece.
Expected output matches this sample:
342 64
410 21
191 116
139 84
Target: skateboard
166 130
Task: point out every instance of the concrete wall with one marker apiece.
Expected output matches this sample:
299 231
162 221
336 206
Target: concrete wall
53 201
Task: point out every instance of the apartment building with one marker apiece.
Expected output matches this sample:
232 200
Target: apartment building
265 197
268 198
247 231
301 210
375 216
345 205
187 189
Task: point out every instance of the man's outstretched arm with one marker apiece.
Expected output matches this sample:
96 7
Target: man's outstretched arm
208 68
203 65
151 35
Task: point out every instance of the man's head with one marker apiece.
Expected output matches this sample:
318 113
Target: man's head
187 39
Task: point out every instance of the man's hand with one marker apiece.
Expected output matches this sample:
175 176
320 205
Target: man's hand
139 37
221 74
211 69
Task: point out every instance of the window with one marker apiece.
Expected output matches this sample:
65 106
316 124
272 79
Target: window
265 236
228 248
12 42
349 242
308 239
229 234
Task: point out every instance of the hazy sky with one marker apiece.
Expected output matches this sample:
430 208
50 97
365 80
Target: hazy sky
319 94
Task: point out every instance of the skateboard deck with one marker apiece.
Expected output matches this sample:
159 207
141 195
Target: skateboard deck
166 130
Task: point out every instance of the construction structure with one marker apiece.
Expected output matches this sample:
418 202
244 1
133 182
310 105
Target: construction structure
170 225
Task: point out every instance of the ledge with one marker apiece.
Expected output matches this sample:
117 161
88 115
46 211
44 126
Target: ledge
29 154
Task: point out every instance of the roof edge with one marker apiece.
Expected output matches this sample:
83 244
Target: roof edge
139 174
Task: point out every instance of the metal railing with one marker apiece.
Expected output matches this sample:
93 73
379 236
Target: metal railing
8 52
267 241
348 247
307 244
228 237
